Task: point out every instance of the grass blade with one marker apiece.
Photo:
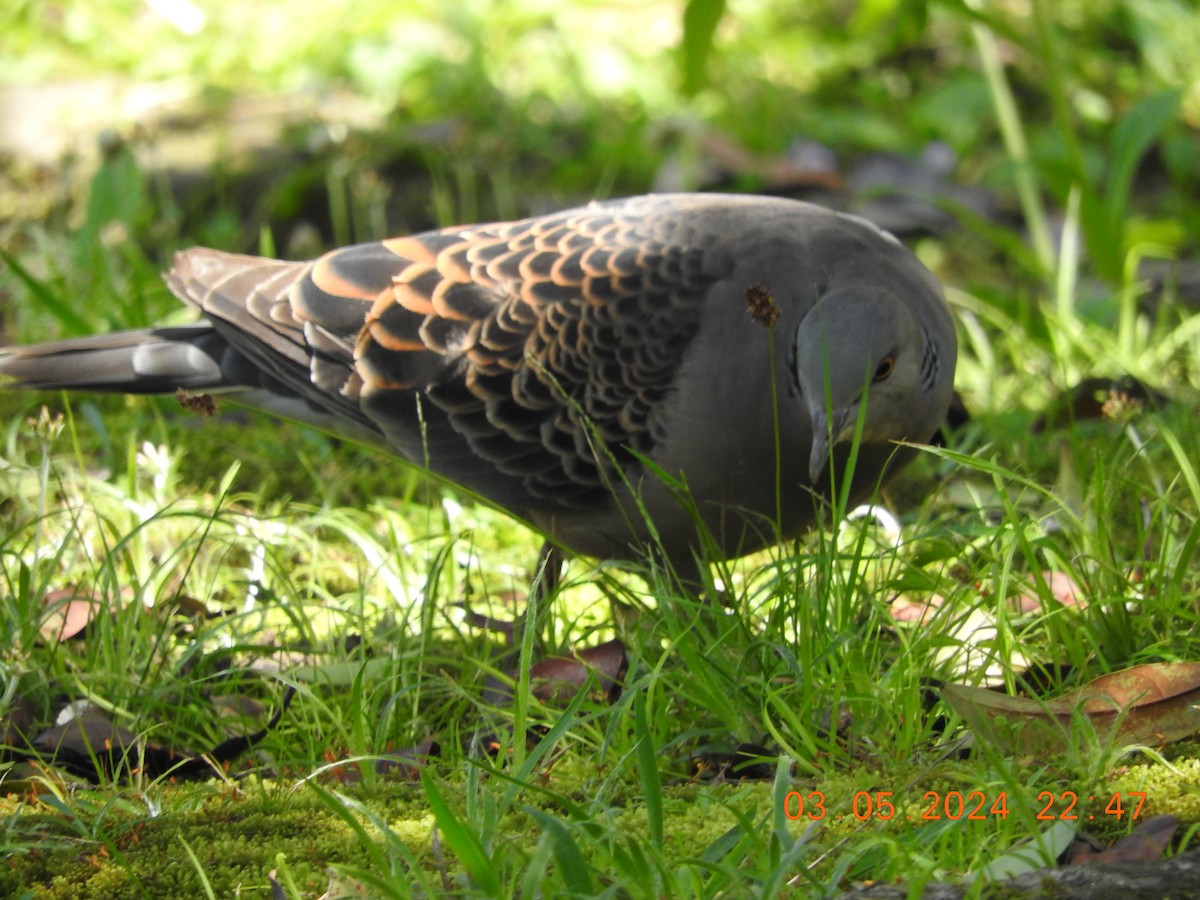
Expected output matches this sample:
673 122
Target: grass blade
461 840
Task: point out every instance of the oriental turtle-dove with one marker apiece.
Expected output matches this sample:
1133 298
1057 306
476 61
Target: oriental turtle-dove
579 369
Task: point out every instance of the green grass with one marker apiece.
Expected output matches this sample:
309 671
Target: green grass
235 558
806 662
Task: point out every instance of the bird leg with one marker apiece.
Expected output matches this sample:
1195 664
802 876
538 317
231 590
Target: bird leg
545 583
546 579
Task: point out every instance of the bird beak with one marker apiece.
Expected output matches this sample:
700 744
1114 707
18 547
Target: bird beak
820 446
827 434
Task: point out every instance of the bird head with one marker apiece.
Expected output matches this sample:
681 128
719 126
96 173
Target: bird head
863 349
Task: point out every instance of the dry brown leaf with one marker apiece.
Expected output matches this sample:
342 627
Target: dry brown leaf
1150 704
559 677
1145 843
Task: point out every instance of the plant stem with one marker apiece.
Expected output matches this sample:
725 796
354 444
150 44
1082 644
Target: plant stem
1014 142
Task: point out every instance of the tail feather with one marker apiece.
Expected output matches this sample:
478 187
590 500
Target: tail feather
149 361
165 360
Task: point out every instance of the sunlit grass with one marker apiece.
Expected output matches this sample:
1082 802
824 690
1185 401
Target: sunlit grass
805 660
233 559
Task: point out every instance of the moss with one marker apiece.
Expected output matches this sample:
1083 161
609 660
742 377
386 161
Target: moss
1171 789
105 843
234 840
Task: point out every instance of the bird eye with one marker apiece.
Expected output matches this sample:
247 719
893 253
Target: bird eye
884 368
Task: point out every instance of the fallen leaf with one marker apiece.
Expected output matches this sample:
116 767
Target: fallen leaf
1032 855
89 745
406 764
1145 843
559 677
1150 704
748 762
909 611
1061 586
68 612
971 647
16 723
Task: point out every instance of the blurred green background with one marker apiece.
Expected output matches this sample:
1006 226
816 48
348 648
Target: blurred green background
364 118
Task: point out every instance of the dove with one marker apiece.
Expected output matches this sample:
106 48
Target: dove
682 371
